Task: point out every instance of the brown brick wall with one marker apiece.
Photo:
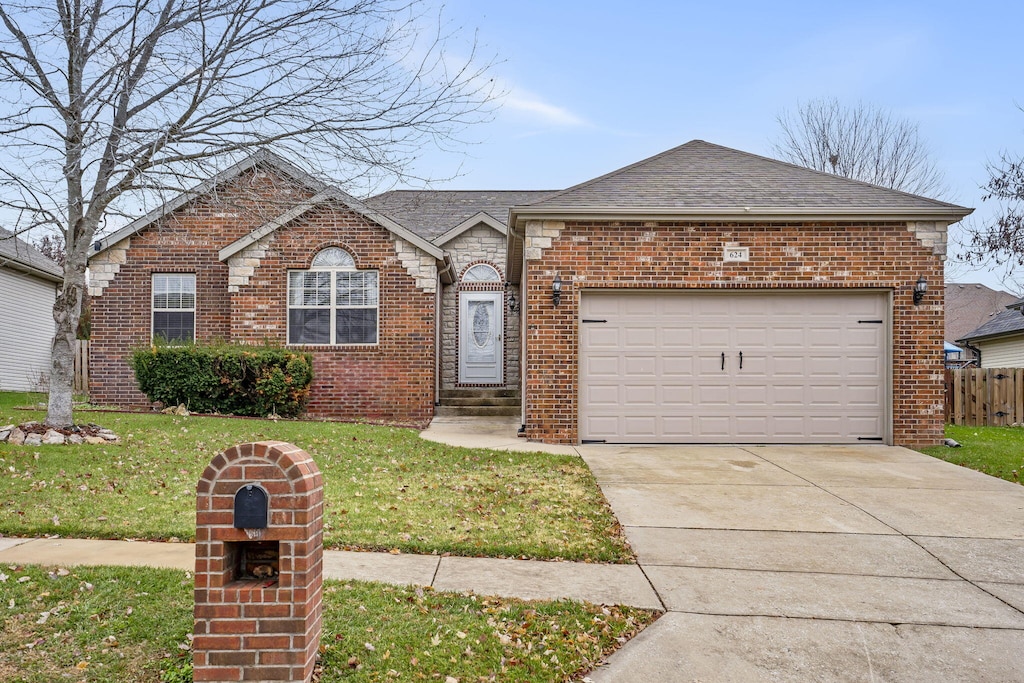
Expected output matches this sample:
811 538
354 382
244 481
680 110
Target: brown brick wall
689 255
392 381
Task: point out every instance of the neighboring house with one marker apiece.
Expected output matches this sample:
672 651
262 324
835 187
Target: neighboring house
29 283
968 307
1000 341
707 295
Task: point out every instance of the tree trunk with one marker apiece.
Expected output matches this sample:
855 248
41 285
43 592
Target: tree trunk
66 311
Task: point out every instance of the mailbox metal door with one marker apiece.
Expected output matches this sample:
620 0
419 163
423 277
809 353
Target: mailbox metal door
252 507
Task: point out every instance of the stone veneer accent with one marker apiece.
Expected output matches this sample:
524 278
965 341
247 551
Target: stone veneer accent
103 268
243 265
932 235
421 266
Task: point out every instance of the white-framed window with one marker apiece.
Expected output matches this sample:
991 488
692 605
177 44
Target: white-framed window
481 272
174 307
333 302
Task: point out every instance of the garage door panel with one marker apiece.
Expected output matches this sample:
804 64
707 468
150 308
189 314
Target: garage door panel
640 337
812 371
602 366
714 394
717 337
678 366
636 366
609 395
641 394
745 398
677 395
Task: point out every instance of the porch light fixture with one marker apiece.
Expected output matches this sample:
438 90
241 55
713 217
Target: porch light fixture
920 287
556 290
513 303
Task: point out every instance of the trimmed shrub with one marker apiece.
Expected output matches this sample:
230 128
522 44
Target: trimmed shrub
230 379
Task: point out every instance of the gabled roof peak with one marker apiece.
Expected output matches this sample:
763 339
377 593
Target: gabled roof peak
702 178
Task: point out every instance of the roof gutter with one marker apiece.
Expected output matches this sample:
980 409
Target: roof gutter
27 269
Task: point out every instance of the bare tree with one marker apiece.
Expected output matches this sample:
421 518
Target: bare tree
104 101
1003 240
862 142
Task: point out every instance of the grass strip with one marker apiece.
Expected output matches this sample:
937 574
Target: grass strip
997 451
118 625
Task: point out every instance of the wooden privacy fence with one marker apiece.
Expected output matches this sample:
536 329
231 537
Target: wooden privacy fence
985 396
81 365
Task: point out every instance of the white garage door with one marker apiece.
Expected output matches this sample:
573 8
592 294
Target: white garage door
734 367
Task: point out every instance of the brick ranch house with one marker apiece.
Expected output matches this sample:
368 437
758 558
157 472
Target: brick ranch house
704 295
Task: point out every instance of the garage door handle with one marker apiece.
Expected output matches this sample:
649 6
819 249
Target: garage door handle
723 360
741 360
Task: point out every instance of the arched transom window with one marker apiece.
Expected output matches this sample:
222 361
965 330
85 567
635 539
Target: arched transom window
481 272
333 302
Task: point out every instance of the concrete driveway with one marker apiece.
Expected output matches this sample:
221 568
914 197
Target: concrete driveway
818 563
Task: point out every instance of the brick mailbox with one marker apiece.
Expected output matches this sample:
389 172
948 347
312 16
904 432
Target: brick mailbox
259 565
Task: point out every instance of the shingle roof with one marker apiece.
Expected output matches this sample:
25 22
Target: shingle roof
971 305
19 253
1009 321
431 213
700 176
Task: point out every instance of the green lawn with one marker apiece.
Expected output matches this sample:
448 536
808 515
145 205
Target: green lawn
385 488
119 625
998 451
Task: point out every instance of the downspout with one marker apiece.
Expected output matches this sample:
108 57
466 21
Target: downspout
523 330
438 322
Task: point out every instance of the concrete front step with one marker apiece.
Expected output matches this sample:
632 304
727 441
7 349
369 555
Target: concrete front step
477 411
481 401
472 392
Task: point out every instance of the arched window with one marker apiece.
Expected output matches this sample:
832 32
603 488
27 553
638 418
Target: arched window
333 302
481 272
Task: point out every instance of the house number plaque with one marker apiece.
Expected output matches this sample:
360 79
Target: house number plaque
736 254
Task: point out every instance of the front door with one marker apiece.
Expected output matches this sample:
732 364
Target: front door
481 322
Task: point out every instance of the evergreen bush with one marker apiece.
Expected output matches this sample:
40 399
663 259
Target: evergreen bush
231 379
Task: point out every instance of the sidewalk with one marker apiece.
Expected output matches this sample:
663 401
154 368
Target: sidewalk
606 584
526 579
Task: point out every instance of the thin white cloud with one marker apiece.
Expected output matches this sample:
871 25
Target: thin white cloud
542 112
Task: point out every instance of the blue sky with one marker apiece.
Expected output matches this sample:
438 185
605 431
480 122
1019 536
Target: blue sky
593 86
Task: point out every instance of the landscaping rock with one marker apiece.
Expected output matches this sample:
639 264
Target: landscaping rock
53 438
36 434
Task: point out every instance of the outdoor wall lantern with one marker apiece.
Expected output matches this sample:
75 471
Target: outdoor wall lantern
920 287
556 290
513 303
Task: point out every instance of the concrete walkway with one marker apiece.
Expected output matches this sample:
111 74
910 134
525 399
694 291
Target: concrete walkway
774 563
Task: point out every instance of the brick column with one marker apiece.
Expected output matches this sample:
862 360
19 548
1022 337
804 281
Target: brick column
258 591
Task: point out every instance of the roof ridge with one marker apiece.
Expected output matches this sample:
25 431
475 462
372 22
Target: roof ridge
619 171
836 176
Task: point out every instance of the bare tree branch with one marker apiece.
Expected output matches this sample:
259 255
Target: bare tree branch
860 142
108 104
